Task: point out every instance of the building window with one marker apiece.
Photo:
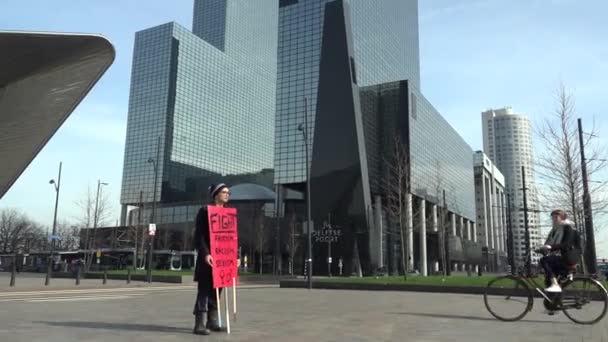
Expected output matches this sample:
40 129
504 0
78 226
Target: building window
352 68
414 109
284 3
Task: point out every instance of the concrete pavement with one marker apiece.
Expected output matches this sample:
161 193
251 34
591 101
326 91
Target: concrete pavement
273 314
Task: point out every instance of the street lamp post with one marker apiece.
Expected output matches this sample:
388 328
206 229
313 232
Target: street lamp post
304 129
154 163
50 261
96 217
589 253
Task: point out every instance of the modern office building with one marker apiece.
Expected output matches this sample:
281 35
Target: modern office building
384 39
201 106
439 162
507 140
491 206
201 111
348 76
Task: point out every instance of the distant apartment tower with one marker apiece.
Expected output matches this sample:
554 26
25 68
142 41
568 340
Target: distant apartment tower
201 107
507 140
491 207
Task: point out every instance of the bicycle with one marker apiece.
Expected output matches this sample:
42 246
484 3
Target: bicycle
518 289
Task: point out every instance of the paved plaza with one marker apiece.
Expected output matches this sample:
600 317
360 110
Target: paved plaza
268 313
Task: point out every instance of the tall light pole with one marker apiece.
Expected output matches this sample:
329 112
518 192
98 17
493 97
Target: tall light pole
526 224
154 163
50 261
304 129
96 216
510 243
589 253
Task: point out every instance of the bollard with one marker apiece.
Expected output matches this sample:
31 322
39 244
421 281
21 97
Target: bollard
13 271
105 276
48 272
129 275
78 274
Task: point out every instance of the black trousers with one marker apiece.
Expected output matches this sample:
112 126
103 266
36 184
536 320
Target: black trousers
554 265
205 298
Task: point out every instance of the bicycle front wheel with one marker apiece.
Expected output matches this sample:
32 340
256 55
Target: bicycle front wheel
508 298
584 300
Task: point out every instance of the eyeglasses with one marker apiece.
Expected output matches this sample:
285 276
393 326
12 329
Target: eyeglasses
225 192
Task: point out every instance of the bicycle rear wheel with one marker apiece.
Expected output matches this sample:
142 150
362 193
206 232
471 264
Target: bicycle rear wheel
508 298
584 300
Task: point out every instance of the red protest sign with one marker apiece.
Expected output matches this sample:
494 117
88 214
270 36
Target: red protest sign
223 238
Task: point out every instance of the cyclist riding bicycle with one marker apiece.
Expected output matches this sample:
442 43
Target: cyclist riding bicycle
561 251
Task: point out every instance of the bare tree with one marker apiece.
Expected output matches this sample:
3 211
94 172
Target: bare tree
18 233
559 167
70 237
260 236
91 218
293 240
397 189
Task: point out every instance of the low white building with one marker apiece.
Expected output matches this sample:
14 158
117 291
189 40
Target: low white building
491 205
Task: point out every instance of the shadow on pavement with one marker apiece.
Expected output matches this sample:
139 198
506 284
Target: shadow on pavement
471 318
119 326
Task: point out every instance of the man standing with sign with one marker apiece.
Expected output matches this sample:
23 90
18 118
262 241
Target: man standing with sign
204 274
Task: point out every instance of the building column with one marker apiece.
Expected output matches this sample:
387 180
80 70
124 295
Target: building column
485 210
378 233
461 224
491 209
503 223
410 231
435 224
474 231
423 261
496 218
434 217
453 222
123 215
504 220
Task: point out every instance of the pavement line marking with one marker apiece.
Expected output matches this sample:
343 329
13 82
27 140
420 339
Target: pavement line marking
75 299
62 297
123 289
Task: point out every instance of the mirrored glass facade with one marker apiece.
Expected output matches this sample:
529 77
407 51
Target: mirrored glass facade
212 103
385 40
439 158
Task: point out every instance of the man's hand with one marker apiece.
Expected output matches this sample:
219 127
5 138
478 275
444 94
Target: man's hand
209 260
238 263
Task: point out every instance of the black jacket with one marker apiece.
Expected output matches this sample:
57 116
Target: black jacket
202 272
569 246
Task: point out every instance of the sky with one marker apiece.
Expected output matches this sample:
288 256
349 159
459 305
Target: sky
475 55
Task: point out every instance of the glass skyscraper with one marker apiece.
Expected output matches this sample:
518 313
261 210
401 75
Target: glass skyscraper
385 42
355 64
202 103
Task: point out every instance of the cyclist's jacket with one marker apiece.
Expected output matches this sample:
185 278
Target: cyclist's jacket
566 240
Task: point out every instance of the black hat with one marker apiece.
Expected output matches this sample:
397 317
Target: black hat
215 189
